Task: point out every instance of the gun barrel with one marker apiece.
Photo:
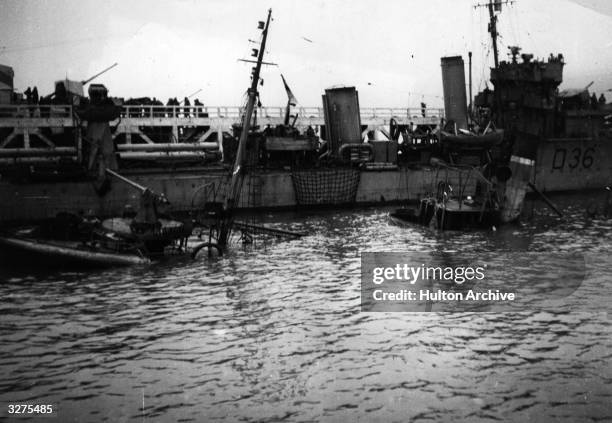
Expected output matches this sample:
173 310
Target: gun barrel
194 93
126 180
99 73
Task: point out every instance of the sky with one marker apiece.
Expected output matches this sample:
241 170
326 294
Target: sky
390 50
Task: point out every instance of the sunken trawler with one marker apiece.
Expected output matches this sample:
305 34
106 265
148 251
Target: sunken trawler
53 149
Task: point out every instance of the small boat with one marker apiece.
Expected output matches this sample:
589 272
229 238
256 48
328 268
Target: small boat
490 202
134 238
467 139
153 241
454 209
451 214
25 244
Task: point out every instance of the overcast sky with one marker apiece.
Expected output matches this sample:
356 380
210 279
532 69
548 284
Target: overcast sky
390 50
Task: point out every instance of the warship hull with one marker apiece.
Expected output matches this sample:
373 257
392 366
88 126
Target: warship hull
262 190
559 168
575 164
566 165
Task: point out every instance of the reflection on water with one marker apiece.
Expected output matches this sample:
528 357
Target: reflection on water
276 333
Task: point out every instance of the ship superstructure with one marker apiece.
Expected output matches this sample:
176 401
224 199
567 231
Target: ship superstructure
567 133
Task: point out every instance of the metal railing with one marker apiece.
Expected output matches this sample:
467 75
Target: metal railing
234 112
35 111
214 112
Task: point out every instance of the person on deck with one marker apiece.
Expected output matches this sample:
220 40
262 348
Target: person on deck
186 108
28 94
197 103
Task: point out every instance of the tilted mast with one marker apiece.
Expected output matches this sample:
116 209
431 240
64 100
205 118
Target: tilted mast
231 200
233 195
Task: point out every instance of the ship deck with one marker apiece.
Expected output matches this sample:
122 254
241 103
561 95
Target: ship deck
35 133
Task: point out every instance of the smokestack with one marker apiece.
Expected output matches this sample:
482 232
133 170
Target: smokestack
453 84
342 118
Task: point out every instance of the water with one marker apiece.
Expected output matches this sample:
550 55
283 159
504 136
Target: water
276 333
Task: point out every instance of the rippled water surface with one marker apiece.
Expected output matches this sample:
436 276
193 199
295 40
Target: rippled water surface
275 333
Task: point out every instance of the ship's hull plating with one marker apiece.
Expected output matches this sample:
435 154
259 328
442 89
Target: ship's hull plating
561 165
269 190
573 164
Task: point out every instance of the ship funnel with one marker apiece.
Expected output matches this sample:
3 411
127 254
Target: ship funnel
342 118
453 84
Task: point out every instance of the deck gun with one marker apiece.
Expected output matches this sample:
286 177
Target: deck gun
150 202
68 87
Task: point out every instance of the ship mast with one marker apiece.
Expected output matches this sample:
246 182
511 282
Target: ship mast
233 195
493 31
494 6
